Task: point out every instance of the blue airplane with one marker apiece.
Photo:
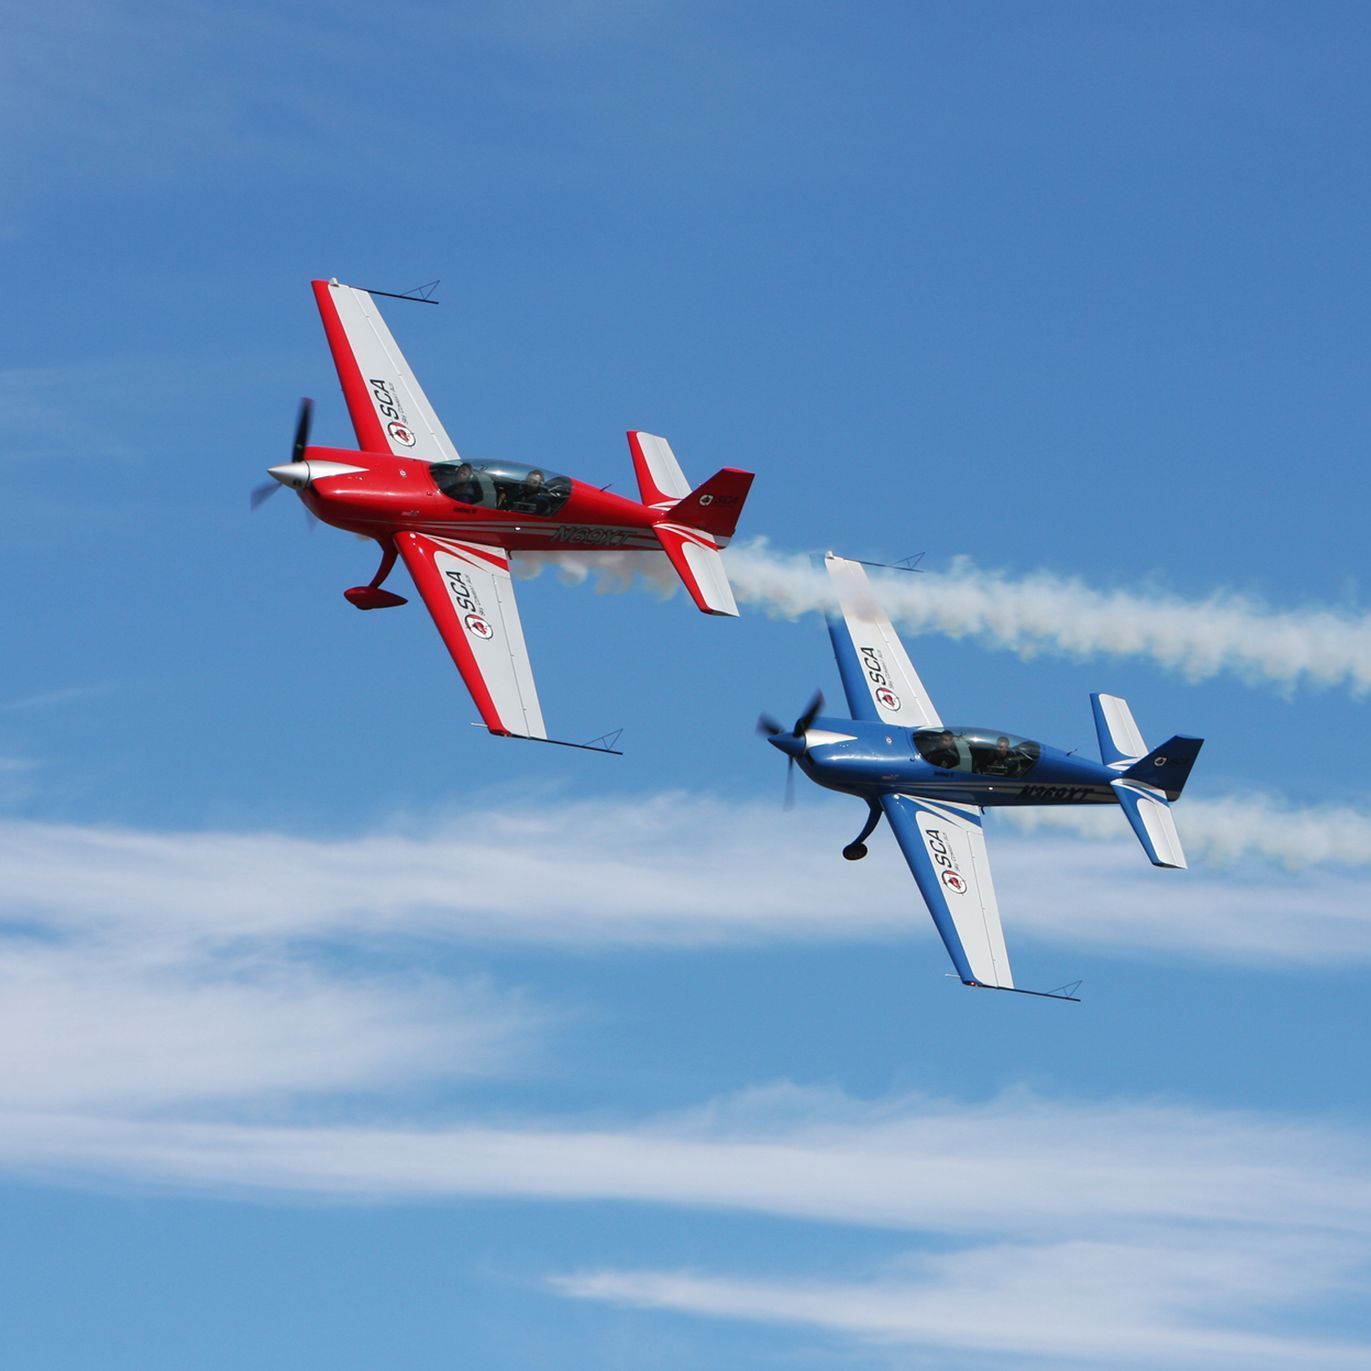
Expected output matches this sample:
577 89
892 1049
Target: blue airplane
933 782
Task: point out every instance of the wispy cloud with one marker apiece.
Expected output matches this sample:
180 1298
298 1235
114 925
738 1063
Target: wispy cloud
628 873
1230 830
1199 1304
46 699
115 1024
206 1011
1120 1233
1041 612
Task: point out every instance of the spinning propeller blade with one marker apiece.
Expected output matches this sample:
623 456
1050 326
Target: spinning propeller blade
302 425
811 713
792 743
302 429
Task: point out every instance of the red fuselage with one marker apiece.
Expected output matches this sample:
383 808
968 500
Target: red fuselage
394 494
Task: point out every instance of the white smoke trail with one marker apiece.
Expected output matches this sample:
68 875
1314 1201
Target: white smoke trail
1043 612
1230 830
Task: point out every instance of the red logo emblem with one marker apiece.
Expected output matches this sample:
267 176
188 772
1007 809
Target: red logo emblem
888 698
477 625
954 882
402 433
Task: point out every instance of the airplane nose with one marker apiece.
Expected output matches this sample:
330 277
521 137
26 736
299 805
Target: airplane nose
792 744
292 474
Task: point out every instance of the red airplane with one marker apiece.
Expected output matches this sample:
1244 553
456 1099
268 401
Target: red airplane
455 522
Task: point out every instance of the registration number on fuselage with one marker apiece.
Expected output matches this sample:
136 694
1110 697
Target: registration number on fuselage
595 537
1068 794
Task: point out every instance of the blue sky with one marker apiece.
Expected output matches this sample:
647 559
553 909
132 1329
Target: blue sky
333 1031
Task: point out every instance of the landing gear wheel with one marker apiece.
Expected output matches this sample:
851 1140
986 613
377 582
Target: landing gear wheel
854 852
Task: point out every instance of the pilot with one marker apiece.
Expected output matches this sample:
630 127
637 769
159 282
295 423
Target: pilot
534 493
944 752
1001 762
464 486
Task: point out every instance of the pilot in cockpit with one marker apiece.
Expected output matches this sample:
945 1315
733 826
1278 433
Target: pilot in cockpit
943 752
464 486
533 495
1001 762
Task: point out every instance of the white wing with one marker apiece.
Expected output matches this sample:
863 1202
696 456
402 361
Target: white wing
468 590
389 409
945 849
878 677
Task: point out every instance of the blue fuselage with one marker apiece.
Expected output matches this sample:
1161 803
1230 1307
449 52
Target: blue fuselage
873 759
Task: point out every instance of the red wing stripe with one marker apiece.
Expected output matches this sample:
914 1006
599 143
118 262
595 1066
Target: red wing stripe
692 535
474 553
479 553
371 436
431 587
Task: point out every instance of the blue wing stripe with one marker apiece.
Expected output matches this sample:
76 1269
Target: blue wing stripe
899 815
858 694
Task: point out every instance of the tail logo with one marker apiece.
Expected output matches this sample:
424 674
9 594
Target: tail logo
1159 761
402 433
888 698
954 882
477 625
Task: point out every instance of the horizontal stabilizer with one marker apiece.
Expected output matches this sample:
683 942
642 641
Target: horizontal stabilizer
1152 820
1167 767
695 556
716 505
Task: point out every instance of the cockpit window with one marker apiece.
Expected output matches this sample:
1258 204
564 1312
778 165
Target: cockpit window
509 486
981 751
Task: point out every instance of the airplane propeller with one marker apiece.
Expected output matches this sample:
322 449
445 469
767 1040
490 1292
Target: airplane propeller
792 743
260 493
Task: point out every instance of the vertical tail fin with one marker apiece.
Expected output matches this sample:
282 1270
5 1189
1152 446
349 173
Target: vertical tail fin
714 507
1167 767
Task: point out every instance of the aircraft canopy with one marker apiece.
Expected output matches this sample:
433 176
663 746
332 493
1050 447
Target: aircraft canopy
981 751
514 486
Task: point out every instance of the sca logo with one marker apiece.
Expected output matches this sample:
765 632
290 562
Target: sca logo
385 400
880 682
942 859
402 433
477 625
462 594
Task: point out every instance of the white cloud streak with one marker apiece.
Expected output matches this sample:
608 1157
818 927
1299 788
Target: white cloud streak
1017 1165
628 873
114 1022
1043 612
1122 1234
1229 830
1078 1303
198 1011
